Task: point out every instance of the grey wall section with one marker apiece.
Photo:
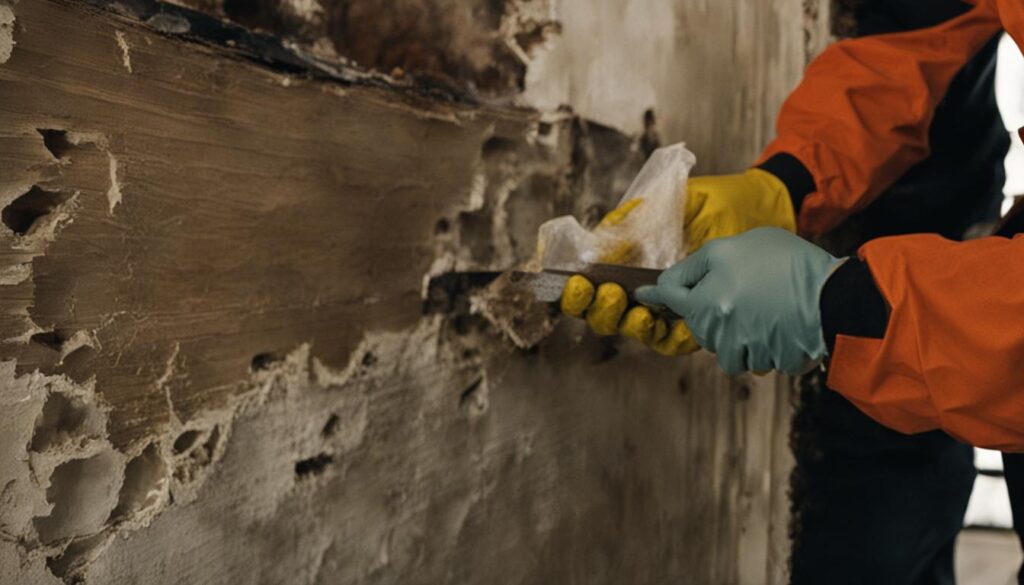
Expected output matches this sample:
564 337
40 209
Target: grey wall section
715 72
217 365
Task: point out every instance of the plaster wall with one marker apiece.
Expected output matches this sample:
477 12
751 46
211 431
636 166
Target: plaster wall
223 361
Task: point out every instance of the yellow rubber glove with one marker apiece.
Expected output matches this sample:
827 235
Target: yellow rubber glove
728 205
606 307
606 310
716 207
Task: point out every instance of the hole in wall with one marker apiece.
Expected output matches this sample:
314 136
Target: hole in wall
187 469
50 339
443 226
75 557
79 356
313 465
75 364
25 212
210 446
56 141
83 493
331 426
145 478
263 361
186 441
65 418
369 359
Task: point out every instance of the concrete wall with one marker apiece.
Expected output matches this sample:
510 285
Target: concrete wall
219 364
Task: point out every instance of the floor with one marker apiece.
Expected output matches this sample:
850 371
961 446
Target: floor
987 557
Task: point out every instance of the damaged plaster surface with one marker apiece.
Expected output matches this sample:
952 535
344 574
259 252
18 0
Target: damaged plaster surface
481 46
223 360
6 29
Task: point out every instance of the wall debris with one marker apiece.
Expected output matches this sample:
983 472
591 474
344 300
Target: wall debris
126 58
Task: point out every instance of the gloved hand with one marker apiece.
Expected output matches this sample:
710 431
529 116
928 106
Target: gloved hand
728 205
606 307
606 310
751 299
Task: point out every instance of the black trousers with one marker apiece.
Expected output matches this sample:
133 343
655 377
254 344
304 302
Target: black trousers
871 505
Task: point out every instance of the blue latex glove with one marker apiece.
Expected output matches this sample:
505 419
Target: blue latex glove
752 299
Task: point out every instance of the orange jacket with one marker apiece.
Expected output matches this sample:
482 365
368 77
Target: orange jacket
952 356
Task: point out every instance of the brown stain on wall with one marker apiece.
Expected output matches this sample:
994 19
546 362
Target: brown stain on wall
474 45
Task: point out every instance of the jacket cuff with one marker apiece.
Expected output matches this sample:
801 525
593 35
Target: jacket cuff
798 180
851 304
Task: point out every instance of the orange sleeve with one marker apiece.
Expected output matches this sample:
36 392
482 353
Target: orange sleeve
860 117
952 357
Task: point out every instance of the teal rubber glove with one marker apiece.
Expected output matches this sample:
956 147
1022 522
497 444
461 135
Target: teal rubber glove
752 299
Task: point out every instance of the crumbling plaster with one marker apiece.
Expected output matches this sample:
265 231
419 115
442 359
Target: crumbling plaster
221 363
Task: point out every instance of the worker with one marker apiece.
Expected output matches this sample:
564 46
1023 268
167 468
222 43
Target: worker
920 332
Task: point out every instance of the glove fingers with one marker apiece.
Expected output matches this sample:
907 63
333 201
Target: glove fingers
650 295
577 295
638 324
604 308
605 313
673 297
678 341
688 272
